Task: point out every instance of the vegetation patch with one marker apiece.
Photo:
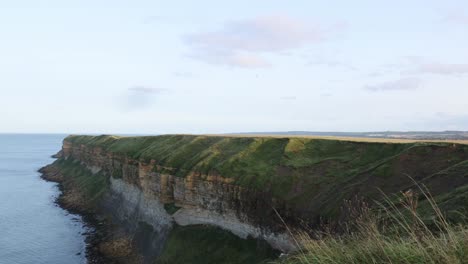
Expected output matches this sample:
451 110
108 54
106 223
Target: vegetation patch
171 208
87 188
396 233
211 245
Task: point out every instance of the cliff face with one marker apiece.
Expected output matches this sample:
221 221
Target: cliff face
255 187
138 193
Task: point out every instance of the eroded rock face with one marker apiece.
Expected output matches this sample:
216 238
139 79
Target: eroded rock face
139 214
139 192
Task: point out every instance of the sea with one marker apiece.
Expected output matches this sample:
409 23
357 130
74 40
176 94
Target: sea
33 228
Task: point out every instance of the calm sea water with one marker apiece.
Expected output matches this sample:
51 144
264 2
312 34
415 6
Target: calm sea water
33 230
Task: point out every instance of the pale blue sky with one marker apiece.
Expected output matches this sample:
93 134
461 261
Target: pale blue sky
229 66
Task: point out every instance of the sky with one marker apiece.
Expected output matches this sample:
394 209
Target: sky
149 66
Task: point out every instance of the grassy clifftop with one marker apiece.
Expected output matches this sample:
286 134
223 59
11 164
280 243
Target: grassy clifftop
312 174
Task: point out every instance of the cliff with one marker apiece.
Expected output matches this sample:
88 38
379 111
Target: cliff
254 187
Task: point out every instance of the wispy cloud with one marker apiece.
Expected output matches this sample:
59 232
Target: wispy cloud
288 98
424 65
457 18
273 33
239 43
232 59
146 90
376 73
183 74
416 65
330 63
141 97
398 85
443 68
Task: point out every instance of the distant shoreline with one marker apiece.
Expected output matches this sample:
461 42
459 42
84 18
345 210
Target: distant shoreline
349 138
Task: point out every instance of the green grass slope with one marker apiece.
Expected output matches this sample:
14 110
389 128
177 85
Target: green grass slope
313 175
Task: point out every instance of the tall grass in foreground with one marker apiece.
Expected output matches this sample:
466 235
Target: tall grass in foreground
394 234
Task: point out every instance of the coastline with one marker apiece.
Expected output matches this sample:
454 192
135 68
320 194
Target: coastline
99 231
120 234
150 197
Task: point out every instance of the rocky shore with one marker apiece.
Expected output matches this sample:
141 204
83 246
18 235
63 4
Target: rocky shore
105 242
